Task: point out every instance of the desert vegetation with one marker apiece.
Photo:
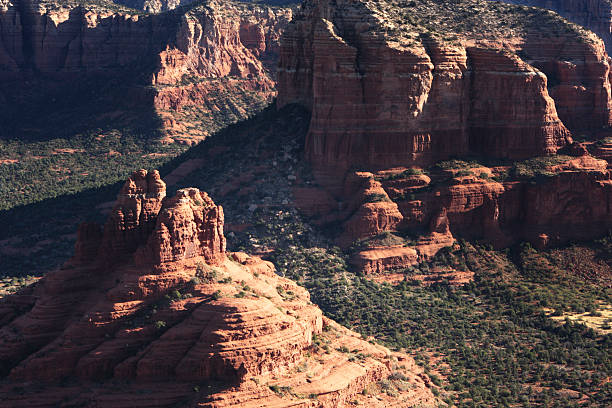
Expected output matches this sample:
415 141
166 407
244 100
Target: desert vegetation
409 21
493 342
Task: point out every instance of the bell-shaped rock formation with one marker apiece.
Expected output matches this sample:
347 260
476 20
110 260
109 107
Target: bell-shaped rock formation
181 323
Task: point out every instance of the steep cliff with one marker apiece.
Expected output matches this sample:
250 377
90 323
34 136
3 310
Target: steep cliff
392 85
396 89
177 320
547 201
211 57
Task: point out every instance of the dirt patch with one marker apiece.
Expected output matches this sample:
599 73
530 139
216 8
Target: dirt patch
453 278
113 153
600 320
156 155
8 161
68 151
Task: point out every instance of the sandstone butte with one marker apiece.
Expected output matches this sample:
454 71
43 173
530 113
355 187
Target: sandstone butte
395 89
207 56
152 311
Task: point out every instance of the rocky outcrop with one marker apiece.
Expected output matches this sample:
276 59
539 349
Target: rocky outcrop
133 217
383 259
594 15
189 225
153 6
384 91
64 39
567 200
172 315
395 88
371 211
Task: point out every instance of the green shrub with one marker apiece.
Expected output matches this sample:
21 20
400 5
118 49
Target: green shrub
375 198
538 167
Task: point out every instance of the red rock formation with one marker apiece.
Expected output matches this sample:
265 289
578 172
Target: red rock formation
189 225
166 61
372 212
89 237
568 203
380 100
61 39
134 216
578 79
387 95
383 259
180 313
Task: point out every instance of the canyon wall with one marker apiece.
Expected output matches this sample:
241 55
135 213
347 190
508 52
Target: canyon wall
64 39
397 90
208 56
378 100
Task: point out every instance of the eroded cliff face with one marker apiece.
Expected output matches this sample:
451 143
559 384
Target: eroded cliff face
205 57
596 15
387 89
395 218
176 317
395 88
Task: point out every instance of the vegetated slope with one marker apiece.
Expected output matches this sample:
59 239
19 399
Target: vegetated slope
497 340
594 15
157 6
153 302
91 90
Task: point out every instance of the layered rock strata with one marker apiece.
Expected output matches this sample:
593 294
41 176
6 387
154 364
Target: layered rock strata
174 321
214 56
395 88
566 200
387 87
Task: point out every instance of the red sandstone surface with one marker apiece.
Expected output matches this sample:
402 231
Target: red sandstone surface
392 99
152 311
453 278
379 101
569 203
